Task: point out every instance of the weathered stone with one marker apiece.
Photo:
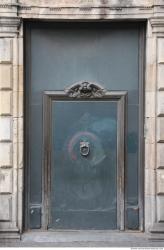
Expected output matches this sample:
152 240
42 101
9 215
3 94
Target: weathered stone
5 180
5 50
20 42
18 130
6 154
150 104
5 128
18 104
150 153
160 155
15 78
5 103
160 210
160 181
149 182
160 53
160 103
150 77
5 76
150 62
5 208
160 78
150 130
160 129
150 203
21 87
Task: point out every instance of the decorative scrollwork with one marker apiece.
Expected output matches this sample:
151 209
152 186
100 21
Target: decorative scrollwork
85 90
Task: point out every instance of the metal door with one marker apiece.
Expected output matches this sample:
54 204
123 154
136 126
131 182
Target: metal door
83 141
84 163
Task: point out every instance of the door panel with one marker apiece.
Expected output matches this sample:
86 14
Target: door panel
84 187
84 158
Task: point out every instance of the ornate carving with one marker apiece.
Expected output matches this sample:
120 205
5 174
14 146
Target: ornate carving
85 90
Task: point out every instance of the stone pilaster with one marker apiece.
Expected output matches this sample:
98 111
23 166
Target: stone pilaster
10 119
158 33
150 147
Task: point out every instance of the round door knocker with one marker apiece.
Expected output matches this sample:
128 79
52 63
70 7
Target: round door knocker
84 148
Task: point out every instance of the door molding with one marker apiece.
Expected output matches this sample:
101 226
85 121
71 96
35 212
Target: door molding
85 91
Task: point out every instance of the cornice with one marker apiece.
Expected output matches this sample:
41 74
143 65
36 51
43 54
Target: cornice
157 21
157 24
79 9
9 24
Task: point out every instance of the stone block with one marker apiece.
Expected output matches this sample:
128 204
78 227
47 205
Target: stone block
160 53
15 103
150 211
15 155
5 76
160 129
15 50
21 86
160 181
21 103
5 128
5 180
160 208
160 155
20 154
5 103
160 76
18 104
17 130
20 129
150 130
15 78
6 154
149 182
160 103
5 208
150 150
150 84
150 104
20 41
5 50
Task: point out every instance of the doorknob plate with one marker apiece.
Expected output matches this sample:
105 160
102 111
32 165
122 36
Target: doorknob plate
84 148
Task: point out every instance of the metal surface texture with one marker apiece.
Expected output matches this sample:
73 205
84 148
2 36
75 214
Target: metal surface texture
84 193
59 54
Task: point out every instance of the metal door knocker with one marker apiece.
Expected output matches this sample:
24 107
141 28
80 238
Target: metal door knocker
84 148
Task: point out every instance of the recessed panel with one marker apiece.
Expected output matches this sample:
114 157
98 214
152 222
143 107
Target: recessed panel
84 165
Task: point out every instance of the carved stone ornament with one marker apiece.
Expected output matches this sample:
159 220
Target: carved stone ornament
85 89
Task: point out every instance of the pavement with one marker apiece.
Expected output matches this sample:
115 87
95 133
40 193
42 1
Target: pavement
85 239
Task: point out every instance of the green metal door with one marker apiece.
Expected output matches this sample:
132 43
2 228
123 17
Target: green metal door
84 186
83 150
83 143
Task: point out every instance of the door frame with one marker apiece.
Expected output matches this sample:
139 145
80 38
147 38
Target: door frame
118 96
27 80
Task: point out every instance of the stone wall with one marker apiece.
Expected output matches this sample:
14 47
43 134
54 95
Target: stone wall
11 120
12 14
159 118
